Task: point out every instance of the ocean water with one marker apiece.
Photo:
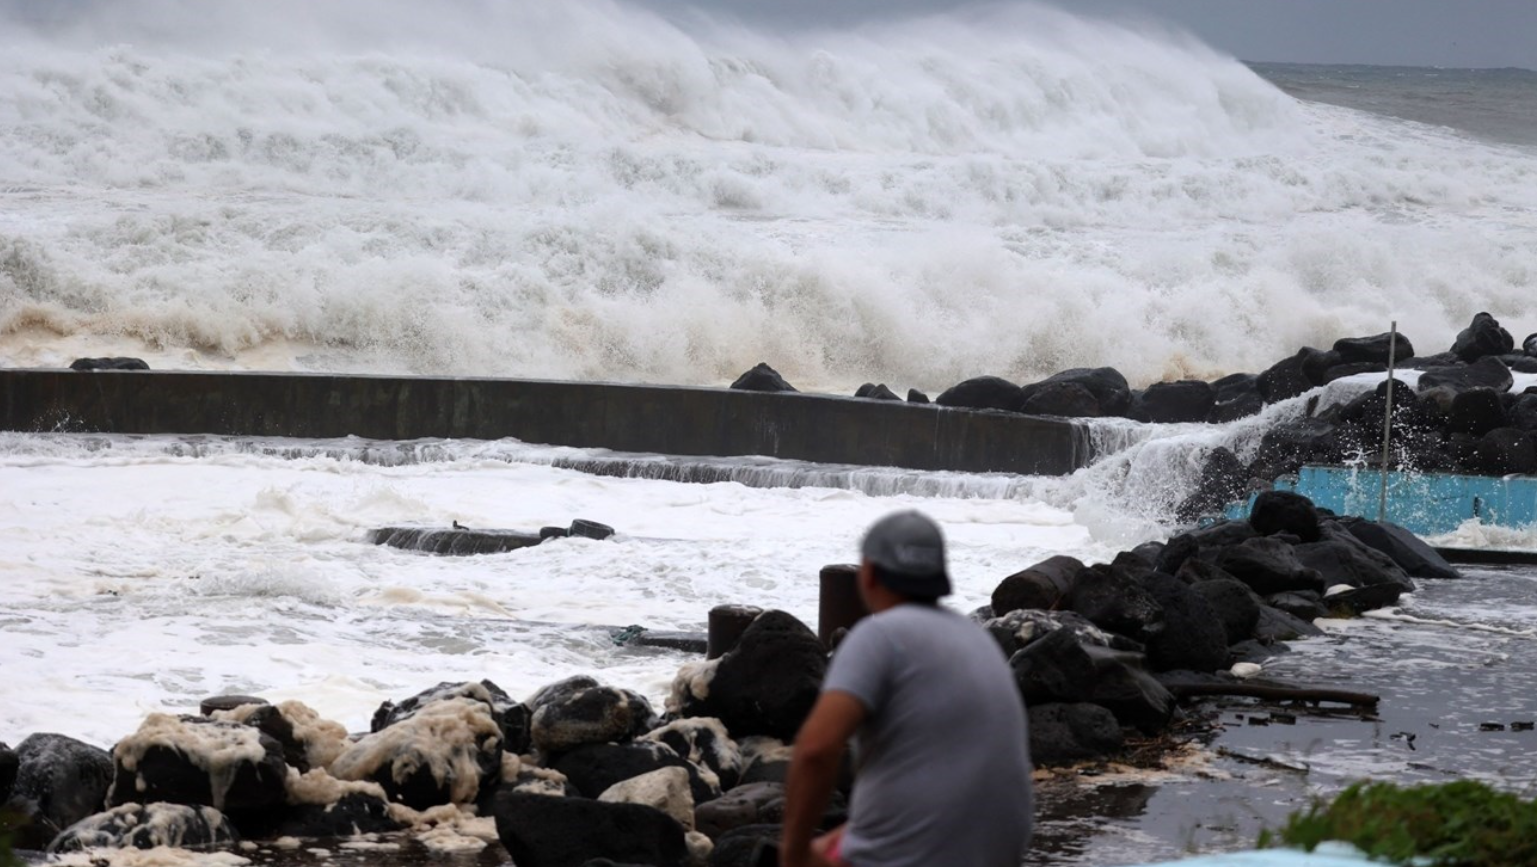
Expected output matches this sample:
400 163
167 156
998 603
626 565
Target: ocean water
587 190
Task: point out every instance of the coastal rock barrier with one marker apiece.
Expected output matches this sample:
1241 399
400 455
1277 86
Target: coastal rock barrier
582 771
1462 416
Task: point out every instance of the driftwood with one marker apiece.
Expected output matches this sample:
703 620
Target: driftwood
1274 692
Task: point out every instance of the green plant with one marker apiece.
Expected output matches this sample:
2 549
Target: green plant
1461 824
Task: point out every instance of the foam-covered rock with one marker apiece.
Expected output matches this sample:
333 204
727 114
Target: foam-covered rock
308 741
665 789
764 760
146 826
568 832
198 762
595 768
704 743
765 685
1062 734
1022 627
59 781
593 715
438 755
512 717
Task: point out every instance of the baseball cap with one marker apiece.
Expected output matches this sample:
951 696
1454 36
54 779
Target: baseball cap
910 551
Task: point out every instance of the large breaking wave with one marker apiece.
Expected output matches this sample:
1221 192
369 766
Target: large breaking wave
585 190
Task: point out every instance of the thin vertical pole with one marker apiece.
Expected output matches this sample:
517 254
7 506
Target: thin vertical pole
1387 425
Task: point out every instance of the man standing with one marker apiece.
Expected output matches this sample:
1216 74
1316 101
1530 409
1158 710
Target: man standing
943 761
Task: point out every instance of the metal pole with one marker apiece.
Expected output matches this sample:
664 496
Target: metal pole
1387 425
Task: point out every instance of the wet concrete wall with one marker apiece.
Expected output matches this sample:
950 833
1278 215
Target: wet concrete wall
635 418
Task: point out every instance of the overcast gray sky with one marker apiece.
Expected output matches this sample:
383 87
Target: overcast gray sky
1390 32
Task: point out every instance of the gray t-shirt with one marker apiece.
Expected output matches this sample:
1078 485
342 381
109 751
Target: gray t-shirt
943 756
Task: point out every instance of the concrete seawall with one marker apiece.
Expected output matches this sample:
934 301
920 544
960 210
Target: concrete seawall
633 418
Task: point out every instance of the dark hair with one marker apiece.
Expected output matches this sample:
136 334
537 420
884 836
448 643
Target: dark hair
892 580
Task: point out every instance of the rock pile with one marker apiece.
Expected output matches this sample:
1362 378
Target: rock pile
582 771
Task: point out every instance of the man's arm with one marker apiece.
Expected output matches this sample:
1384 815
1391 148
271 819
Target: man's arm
814 769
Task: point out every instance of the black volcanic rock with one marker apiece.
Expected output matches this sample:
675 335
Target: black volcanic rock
1488 372
119 363
1189 400
1481 338
762 378
1109 388
1066 399
1285 379
1373 349
916 396
982 392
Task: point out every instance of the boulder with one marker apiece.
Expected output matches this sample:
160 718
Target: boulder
748 846
1487 372
9 763
596 768
146 826
198 762
766 685
1212 539
1189 400
1112 600
1409 551
1111 392
764 760
665 789
916 396
1363 599
1506 450
1062 734
1267 566
1316 362
1285 379
1340 371
876 392
1481 338
703 743
307 740
1040 586
351 814
1339 561
1176 553
1302 604
1020 628
1529 345
1374 349
1276 625
1223 480
1237 396
1122 684
750 804
1193 636
1523 412
1285 512
1054 668
595 715
539 831
1290 444
1476 412
119 363
1234 606
58 782
762 378
438 755
982 392
1065 399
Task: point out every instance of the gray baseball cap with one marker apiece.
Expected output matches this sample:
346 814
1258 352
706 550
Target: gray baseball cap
910 551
